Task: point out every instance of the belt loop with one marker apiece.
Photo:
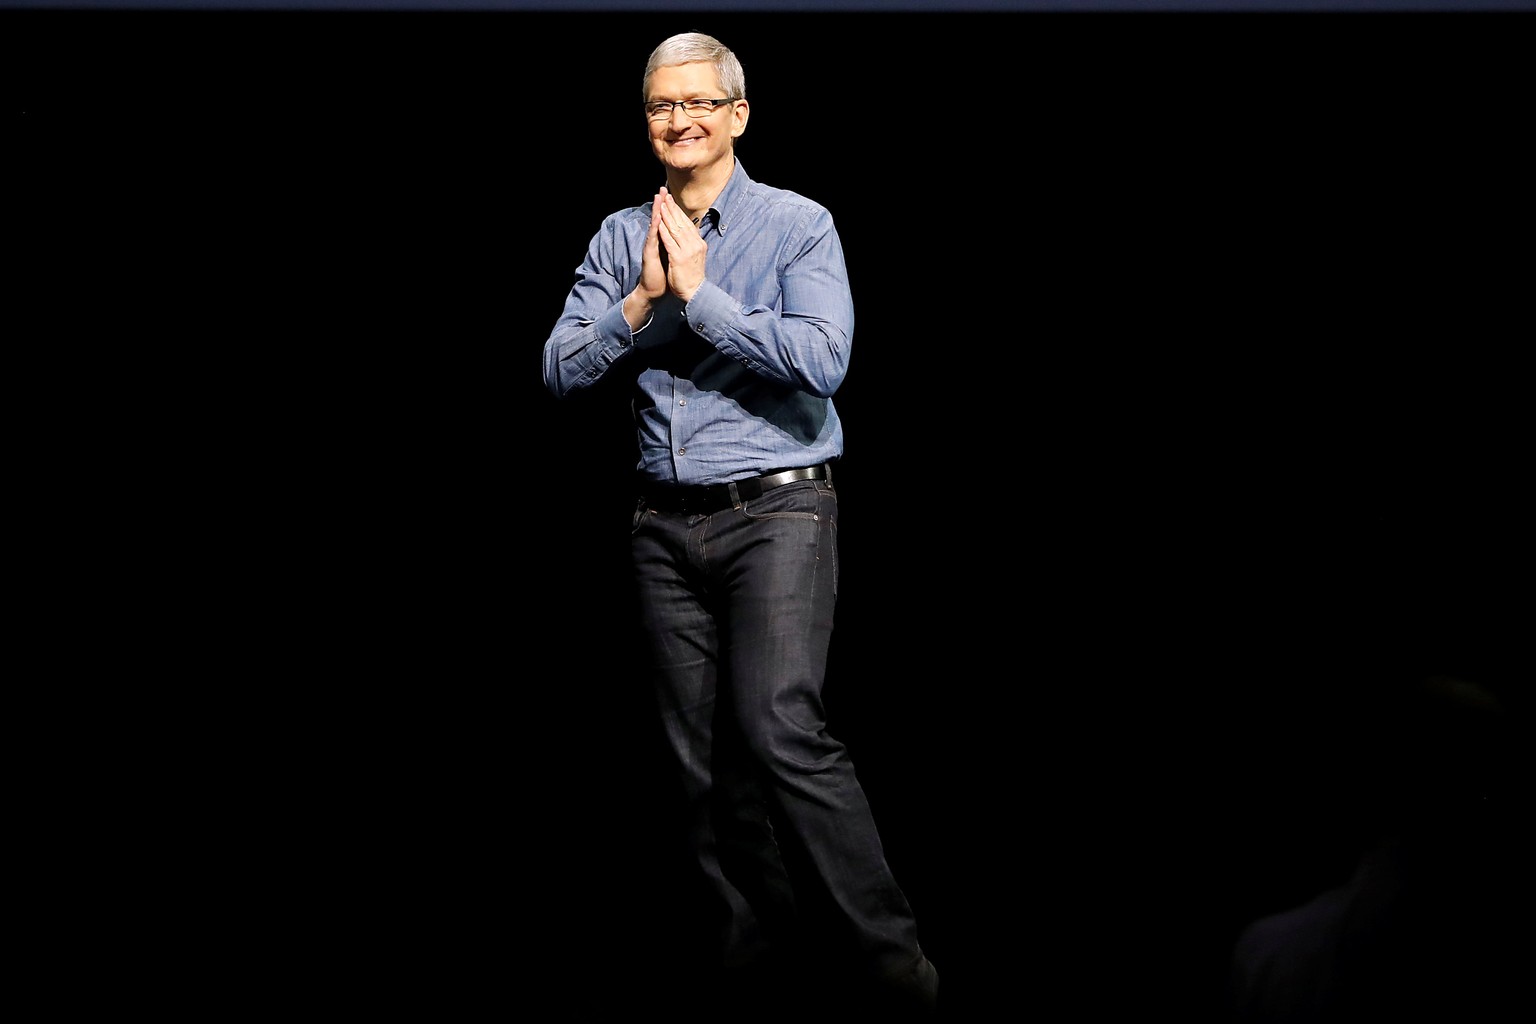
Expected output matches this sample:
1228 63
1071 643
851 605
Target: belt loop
827 476
735 494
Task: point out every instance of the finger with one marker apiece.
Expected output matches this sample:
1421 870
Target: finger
675 214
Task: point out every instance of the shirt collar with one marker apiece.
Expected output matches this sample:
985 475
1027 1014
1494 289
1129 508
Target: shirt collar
726 201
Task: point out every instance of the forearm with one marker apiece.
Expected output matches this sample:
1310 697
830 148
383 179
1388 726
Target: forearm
581 350
806 348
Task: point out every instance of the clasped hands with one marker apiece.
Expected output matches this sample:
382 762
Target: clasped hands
674 235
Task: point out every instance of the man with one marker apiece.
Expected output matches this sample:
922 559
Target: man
726 303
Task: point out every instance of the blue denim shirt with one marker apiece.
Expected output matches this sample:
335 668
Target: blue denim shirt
740 380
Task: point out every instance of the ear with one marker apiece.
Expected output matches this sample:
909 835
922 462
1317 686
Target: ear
740 111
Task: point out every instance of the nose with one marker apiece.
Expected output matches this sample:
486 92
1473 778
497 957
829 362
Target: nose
677 115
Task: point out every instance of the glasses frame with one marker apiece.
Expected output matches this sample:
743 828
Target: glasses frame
658 115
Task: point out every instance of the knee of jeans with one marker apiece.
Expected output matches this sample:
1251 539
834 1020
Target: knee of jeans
782 743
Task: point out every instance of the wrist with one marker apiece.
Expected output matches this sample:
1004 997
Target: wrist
638 312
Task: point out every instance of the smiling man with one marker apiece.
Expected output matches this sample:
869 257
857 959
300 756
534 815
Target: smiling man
726 303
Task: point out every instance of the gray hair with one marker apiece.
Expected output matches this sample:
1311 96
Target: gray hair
697 48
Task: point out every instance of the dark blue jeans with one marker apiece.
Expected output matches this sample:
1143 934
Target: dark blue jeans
737 611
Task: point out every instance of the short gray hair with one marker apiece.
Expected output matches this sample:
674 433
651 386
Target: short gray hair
697 48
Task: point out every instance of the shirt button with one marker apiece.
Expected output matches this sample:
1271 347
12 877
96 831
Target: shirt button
682 401
682 451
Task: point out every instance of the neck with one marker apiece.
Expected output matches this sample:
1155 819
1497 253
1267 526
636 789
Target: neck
697 193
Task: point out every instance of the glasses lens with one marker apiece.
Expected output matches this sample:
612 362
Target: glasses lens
661 110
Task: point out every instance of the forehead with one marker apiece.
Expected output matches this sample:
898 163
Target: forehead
684 81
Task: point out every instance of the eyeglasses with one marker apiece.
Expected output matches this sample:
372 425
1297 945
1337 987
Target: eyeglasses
661 110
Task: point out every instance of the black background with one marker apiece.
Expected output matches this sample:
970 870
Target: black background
1187 412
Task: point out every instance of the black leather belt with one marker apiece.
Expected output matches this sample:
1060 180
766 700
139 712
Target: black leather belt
702 500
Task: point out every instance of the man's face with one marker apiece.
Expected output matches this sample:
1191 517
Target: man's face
687 143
